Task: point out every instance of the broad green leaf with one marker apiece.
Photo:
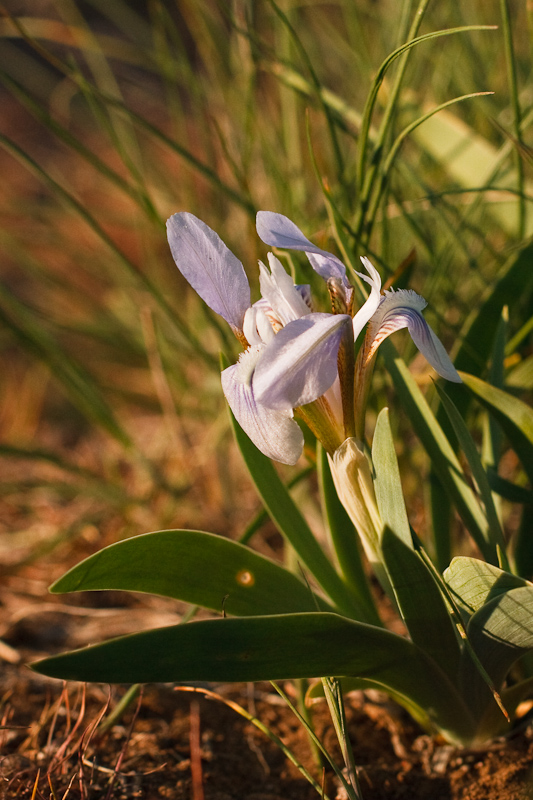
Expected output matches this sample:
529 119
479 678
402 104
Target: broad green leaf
500 632
469 448
473 582
421 603
291 523
514 416
443 458
271 648
196 567
345 541
387 484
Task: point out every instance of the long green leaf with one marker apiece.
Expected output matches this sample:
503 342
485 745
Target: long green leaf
500 632
421 603
271 648
200 568
291 523
469 448
514 416
387 484
477 337
443 458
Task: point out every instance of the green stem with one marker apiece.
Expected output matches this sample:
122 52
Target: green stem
517 113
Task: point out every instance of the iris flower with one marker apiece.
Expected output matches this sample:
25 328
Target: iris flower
295 359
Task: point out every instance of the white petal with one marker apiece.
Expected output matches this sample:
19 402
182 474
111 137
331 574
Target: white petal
210 267
403 309
300 363
278 289
274 433
373 300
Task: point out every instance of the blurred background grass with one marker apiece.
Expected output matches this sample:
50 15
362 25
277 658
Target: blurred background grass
115 115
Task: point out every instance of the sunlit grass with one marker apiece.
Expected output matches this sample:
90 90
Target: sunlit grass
116 119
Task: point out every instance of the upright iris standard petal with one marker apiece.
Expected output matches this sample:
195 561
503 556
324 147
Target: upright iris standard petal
372 302
300 364
274 433
278 289
403 309
276 230
210 267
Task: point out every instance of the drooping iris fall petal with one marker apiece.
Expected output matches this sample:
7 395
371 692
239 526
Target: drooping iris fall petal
210 267
300 364
273 432
403 309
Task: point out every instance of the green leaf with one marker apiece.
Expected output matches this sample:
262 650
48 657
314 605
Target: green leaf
514 416
271 648
197 567
421 603
509 490
387 484
473 582
291 523
500 632
443 458
494 532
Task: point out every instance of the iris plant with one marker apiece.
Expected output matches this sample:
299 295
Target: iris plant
297 361
466 627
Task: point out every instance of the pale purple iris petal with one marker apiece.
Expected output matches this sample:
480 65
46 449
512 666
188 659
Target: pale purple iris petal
276 230
300 363
373 300
403 309
274 433
210 267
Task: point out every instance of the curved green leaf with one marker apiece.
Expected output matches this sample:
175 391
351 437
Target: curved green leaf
421 603
494 532
499 632
502 630
514 416
387 484
197 567
473 582
272 648
443 458
291 523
